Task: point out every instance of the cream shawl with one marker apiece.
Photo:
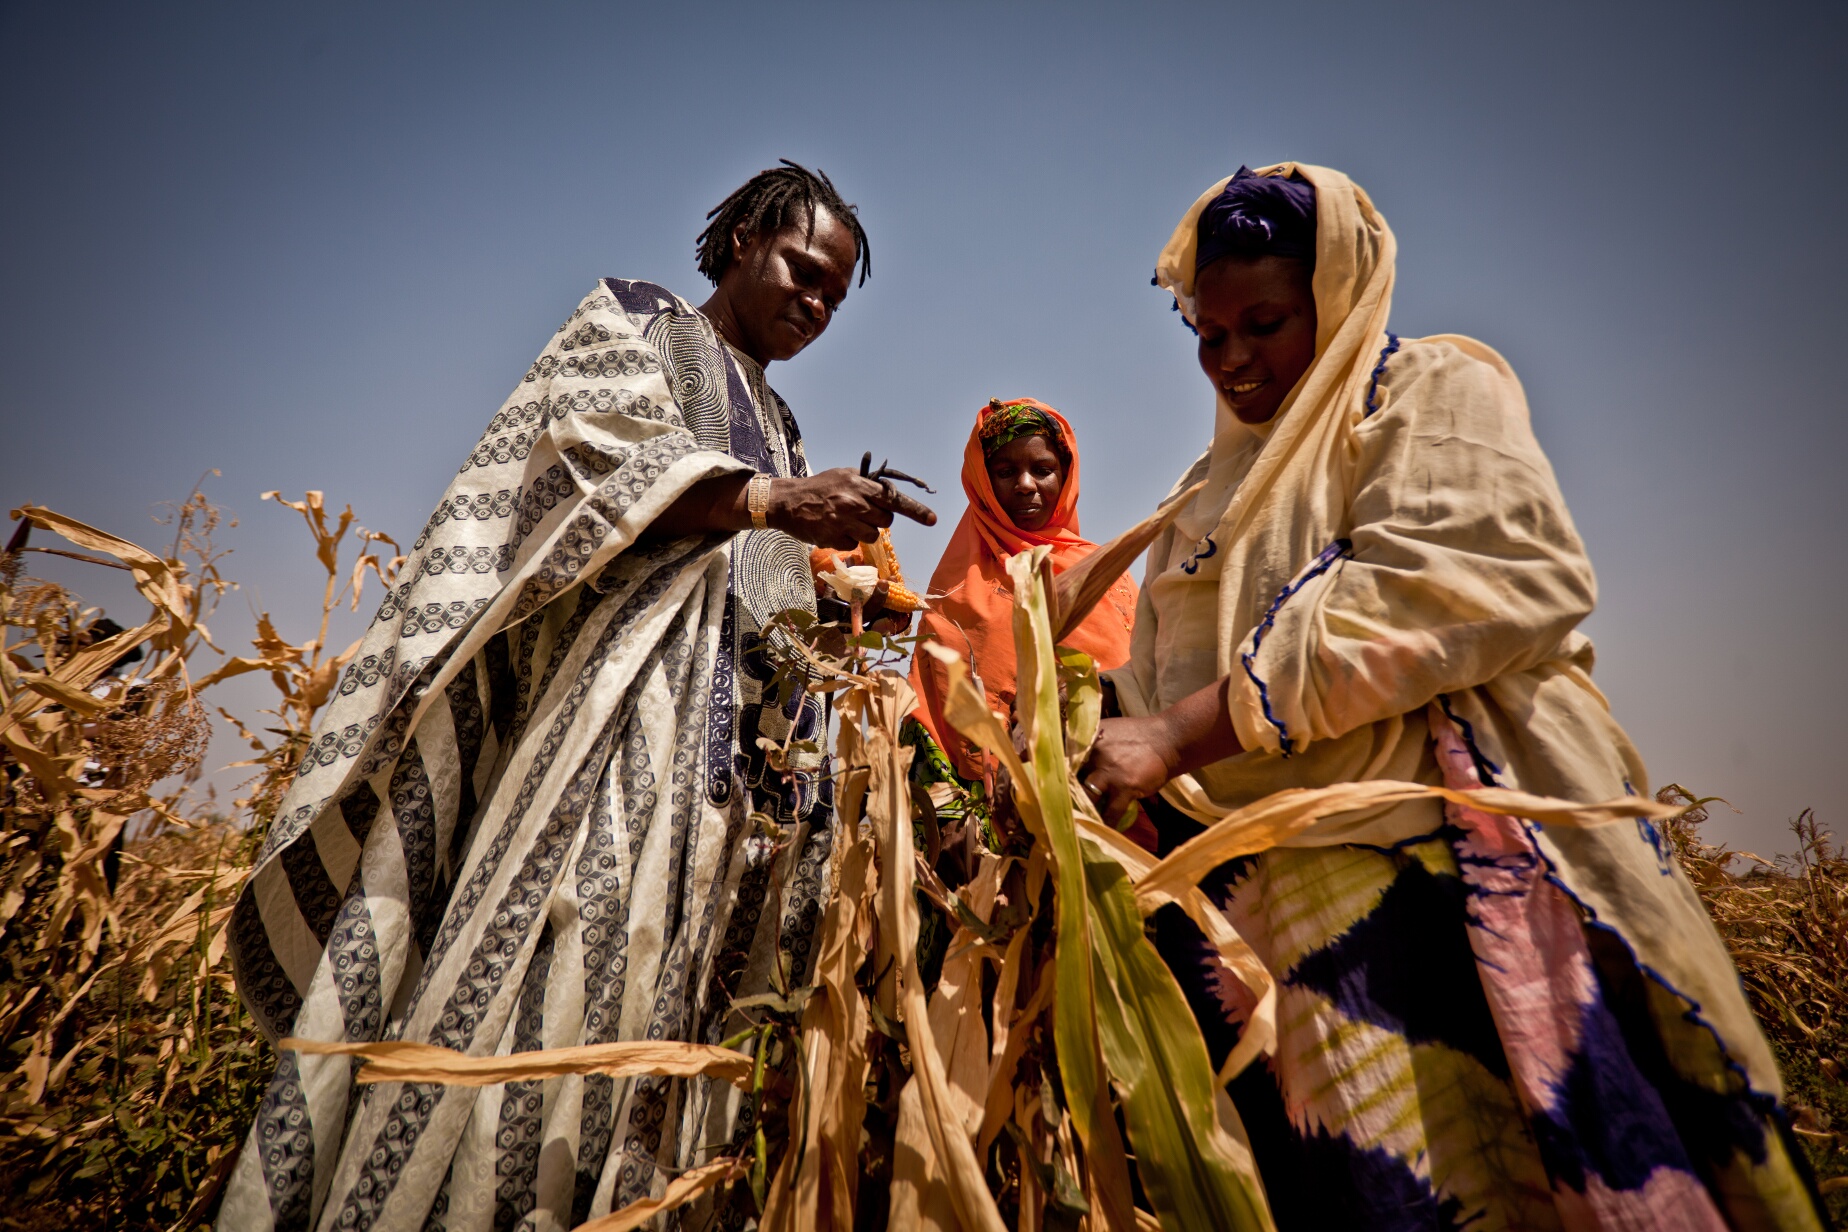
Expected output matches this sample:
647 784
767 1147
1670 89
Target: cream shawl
1294 500
1391 546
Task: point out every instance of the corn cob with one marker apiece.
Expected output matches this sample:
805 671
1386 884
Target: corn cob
900 599
881 555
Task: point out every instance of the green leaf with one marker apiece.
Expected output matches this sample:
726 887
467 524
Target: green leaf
1119 1018
1074 1025
1084 703
1060 1187
882 1024
792 1004
974 923
1186 1161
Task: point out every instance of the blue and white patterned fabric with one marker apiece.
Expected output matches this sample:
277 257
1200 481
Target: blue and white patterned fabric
525 818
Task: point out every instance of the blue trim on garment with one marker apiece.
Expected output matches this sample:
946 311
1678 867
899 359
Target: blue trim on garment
1486 770
1191 565
1763 1101
1654 835
1337 550
1379 370
1651 834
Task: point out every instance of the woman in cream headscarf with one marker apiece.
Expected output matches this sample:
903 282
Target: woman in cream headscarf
1481 1024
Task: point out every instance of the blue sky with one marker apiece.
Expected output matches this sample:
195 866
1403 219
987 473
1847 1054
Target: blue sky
315 246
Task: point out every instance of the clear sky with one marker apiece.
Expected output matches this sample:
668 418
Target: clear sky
316 245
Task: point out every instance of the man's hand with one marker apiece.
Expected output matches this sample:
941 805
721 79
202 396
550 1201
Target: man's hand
839 509
835 509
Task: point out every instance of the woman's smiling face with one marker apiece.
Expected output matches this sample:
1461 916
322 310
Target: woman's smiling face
1256 321
1027 475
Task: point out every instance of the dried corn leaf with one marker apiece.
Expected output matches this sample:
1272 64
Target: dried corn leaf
398 1061
956 1006
51 771
154 577
1011 1038
1286 815
680 1191
69 696
238 665
313 509
920 1197
972 716
888 806
816 1184
82 667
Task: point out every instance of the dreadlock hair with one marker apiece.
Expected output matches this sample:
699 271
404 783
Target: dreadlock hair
770 201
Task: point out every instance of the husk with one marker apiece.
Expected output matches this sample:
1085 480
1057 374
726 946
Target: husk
680 1191
397 1061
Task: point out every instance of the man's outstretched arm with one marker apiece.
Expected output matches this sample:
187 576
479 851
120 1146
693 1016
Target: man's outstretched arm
836 509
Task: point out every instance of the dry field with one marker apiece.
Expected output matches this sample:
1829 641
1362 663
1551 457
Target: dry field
131 1070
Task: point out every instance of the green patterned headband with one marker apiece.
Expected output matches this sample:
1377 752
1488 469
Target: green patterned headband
1004 423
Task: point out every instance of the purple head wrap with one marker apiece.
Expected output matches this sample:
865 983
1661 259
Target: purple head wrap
1258 216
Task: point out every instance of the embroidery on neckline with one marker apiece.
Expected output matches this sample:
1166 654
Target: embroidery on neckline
1191 565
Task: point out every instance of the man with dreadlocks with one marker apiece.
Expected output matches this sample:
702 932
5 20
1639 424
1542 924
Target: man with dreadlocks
538 810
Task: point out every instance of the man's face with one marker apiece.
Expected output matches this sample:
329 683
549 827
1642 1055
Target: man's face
785 285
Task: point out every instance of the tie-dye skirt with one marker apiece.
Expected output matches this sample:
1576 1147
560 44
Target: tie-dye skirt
1414 1088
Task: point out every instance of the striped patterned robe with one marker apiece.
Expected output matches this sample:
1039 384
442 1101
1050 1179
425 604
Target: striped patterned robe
525 820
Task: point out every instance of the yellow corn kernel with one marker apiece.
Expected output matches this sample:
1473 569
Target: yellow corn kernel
900 599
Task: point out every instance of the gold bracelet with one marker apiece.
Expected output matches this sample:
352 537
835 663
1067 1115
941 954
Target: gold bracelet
757 500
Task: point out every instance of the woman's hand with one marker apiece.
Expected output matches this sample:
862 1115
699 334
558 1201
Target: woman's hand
839 508
1130 760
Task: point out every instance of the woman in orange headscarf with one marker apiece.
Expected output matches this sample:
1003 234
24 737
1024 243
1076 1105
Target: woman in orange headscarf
1020 472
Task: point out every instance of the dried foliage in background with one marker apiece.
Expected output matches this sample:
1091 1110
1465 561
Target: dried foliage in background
1786 923
134 1070
955 1062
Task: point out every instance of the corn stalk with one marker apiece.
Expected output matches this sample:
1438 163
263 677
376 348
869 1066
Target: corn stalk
135 1066
986 1021
996 1091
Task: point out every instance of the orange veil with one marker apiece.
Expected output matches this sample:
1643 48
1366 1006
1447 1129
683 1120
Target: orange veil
972 602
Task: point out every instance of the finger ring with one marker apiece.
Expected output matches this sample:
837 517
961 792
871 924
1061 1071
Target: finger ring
1093 790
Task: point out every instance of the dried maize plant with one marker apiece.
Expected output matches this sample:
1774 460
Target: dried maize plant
303 674
1785 922
133 1068
1040 1069
93 717
1085 1056
989 1039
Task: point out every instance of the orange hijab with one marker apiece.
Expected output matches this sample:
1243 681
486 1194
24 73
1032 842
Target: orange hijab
972 601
